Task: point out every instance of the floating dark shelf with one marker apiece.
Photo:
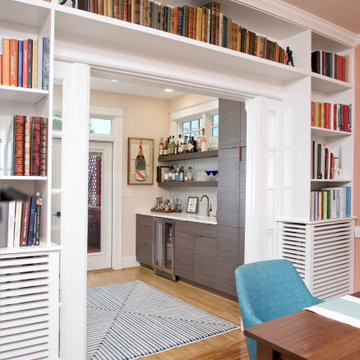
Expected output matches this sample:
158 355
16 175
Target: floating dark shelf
188 183
189 156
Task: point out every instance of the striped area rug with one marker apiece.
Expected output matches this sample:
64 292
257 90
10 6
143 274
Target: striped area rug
132 320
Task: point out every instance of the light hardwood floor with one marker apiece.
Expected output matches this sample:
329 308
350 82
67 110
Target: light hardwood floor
229 346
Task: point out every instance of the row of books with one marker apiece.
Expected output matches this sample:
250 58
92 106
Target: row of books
20 225
206 23
23 146
331 116
330 64
323 162
331 203
23 62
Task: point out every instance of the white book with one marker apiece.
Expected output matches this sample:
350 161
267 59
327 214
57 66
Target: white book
11 224
18 213
6 146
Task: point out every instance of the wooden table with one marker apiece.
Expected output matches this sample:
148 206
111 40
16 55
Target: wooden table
306 335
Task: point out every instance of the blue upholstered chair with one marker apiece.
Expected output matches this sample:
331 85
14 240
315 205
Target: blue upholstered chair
268 290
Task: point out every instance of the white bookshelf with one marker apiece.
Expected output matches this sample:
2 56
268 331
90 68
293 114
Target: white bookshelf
29 323
113 45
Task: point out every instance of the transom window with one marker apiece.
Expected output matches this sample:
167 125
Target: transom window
215 125
192 127
100 126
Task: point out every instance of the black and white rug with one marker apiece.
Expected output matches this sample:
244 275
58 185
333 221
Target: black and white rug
131 320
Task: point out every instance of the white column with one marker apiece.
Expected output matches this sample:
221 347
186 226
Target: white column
75 148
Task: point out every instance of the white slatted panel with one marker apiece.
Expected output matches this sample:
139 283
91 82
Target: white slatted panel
333 259
322 253
24 306
293 245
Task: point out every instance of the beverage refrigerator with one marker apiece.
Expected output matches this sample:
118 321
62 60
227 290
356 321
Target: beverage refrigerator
163 247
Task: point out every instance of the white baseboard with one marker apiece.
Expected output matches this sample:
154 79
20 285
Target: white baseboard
129 261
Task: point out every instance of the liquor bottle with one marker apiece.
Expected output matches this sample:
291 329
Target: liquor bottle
186 144
165 151
140 165
181 174
177 147
181 146
194 144
161 146
202 141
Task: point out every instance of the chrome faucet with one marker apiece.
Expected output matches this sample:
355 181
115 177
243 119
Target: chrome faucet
208 207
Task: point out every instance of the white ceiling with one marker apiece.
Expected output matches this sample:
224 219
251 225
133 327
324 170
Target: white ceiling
344 13
111 82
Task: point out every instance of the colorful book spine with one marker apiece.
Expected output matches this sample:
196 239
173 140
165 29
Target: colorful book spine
27 146
5 62
35 64
25 223
19 136
25 63
45 63
13 62
20 64
38 204
35 153
31 221
29 63
43 146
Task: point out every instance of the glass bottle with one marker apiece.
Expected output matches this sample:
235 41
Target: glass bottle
161 146
140 165
181 174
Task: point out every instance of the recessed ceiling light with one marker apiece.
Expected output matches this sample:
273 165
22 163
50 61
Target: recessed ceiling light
168 90
113 80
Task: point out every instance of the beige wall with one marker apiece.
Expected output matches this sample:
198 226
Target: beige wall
187 100
143 117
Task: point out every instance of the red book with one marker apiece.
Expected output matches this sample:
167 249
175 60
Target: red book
19 134
25 223
25 62
13 61
0 69
27 146
35 147
346 118
312 113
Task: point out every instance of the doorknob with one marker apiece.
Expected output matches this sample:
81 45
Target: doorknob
58 214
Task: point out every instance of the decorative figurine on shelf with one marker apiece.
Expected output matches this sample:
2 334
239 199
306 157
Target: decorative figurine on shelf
65 1
290 56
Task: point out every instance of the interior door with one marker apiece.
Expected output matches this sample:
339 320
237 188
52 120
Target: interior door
100 174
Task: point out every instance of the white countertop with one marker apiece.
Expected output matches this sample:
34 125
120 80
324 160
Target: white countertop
182 216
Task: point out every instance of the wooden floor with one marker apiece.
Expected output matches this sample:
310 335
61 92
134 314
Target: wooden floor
229 346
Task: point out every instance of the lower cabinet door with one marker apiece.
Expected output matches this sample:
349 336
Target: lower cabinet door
225 277
144 244
184 255
205 261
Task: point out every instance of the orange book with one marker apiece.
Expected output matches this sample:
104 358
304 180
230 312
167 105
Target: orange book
5 62
13 61
198 14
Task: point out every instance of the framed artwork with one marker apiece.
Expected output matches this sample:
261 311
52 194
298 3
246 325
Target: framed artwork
140 161
192 205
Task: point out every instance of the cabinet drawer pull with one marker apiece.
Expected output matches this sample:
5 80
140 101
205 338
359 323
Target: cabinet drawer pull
239 152
189 234
197 235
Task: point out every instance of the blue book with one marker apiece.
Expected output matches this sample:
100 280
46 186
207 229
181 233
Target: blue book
20 63
31 221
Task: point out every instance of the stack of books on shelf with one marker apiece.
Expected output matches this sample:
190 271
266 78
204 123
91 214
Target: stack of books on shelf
331 203
206 23
323 162
23 145
21 61
20 222
330 64
331 116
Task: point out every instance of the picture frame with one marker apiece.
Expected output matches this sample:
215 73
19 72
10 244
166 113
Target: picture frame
140 161
192 205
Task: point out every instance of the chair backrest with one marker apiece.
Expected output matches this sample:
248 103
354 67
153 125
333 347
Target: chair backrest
268 290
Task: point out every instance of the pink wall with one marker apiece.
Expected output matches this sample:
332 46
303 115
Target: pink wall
356 187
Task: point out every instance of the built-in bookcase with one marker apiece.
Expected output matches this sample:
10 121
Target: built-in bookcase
154 55
29 281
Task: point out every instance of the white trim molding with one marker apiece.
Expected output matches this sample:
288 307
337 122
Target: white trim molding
129 261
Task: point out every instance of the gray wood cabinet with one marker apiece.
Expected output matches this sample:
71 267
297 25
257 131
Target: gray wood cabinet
195 252
144 233
231 193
